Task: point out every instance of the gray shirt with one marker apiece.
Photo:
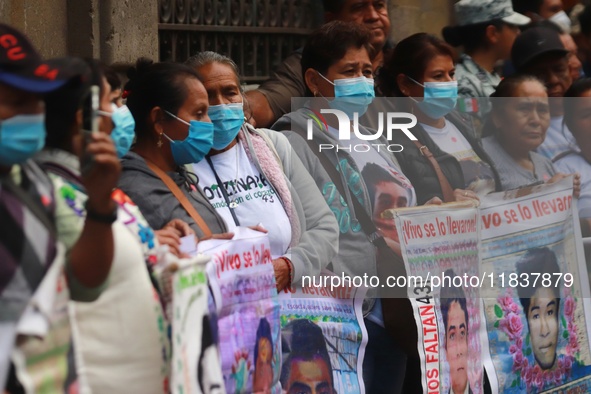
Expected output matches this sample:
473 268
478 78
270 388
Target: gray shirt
512 175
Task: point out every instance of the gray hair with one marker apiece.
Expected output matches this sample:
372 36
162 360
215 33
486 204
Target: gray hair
207 57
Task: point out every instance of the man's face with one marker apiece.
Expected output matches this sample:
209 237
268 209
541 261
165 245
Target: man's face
553 70
371 13
574 64
542 319
309 377
456 347
550 7
388 195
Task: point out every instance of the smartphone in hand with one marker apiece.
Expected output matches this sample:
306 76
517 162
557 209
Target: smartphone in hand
89 125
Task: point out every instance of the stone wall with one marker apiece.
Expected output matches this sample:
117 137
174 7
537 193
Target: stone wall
44 21
122 30
114 31
414 16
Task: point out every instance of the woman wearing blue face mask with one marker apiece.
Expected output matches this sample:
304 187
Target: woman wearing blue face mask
421 72
172 128
338 74
285 201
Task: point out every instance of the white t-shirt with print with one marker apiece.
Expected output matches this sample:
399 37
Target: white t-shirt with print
478 175
250 190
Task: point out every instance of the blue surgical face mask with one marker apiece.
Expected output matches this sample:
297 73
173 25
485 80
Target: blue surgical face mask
124 128
197 144
227 120
21 137
439 98
352 95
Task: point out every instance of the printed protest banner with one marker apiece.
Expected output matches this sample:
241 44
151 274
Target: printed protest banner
323 331
196 366
537 304
440 245
243 286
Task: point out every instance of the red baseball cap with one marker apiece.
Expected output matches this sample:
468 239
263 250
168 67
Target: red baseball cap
21 65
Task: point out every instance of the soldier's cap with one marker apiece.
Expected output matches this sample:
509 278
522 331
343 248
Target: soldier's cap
535 42
21 65
471 12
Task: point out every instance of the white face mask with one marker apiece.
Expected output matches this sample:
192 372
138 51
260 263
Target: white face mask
562 20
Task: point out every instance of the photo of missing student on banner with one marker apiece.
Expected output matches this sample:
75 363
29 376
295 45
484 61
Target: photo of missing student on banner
536 311
440 247
323 339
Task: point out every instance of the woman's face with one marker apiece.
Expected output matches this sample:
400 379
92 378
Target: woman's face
194 108
580 125
354 64
221 83
525 117
439 69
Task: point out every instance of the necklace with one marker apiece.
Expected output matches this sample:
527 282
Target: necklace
233 204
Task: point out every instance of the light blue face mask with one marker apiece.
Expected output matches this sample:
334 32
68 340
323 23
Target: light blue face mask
352 95
197 144
227 120
21 137
124 128
439 98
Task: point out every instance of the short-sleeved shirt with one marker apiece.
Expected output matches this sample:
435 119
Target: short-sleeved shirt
477 173
247 188
570 164
512 175
558 139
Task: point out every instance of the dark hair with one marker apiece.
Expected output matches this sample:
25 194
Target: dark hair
208 57
333 6
372 175
585 21
577 89
506 88
411 57
450 295
471 37
62 105
155 85
538 260
307 342
263 331
329 44
524 6
112 77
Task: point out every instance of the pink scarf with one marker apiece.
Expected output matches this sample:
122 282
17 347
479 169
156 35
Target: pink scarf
273 172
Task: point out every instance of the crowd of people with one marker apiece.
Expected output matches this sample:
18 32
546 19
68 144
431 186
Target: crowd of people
99 182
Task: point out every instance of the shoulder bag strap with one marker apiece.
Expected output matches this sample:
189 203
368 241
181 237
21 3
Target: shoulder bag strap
448 193
180 196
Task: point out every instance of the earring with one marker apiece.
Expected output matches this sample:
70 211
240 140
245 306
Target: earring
315 93
159 143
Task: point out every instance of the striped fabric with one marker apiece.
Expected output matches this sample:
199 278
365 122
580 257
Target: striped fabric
27 247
